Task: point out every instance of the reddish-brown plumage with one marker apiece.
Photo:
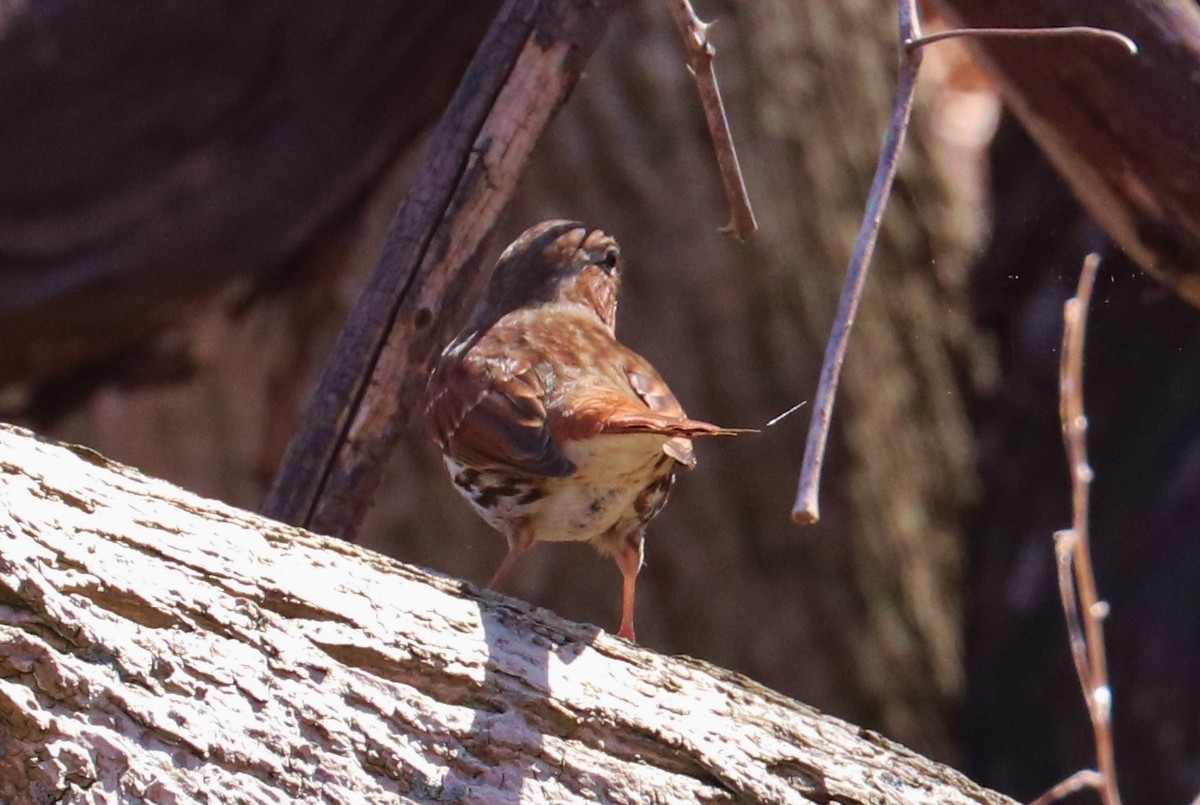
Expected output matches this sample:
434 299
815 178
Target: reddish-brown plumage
551 428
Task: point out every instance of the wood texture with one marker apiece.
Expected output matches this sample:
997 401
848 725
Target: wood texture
1124 131
160 646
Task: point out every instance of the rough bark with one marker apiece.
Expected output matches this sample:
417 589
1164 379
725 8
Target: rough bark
161 646
1123 131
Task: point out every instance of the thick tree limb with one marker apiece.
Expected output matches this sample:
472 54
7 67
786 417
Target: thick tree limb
159 645
1123 131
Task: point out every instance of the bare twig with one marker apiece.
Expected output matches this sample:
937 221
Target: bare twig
700 54
1086 778
1084 611
1065 546
806 508
1025 33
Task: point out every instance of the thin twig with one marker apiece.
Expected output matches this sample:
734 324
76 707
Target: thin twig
1085 778
1077 580
700 54
806 508
1025 33
1065 545
776 420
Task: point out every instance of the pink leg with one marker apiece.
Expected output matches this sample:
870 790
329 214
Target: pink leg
517 546
629 560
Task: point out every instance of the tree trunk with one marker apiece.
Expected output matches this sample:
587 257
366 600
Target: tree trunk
151 155
160 646
1123 130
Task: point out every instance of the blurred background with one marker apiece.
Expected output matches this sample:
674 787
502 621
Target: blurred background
191 194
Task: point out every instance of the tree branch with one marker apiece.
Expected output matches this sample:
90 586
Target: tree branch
1077 580
158 645
1025 33
700 53
806 509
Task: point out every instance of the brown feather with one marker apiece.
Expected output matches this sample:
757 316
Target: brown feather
493 420
527 404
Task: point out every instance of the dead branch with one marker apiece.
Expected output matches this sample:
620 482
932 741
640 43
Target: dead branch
156 645
527 64
1080 780
1077 581
806 509
1026 33
700 53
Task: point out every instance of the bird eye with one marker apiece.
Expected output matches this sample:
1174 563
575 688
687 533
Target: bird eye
608 261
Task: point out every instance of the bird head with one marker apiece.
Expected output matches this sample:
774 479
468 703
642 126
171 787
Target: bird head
555 262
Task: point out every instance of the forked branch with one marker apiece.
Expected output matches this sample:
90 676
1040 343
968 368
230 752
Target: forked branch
806 509
1083 609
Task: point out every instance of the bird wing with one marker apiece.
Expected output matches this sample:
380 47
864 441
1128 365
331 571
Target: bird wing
494 420
653 391
612 412
666 414
642 404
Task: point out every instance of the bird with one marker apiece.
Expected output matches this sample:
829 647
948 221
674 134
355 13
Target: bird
550 427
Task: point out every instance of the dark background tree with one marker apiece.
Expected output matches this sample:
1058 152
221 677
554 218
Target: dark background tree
1024 722
280 166
1124 134
153 153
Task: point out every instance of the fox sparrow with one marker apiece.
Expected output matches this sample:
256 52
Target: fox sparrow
551 428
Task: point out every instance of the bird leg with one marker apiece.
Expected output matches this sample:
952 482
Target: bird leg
629 560
518 544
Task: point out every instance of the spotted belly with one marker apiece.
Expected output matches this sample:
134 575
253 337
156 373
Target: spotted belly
617 488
